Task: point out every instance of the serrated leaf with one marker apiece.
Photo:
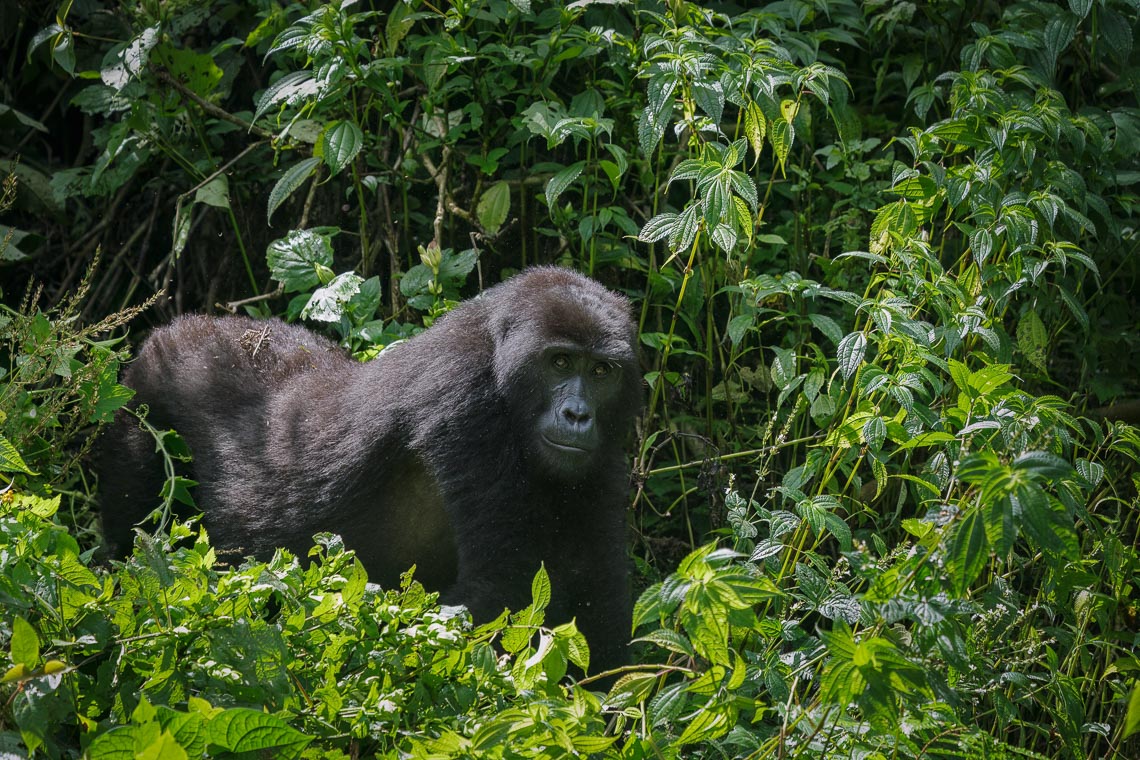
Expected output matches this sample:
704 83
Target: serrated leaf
240 729
683 233
296 259
874 433
764 549
338 144
10 459
782 135
293 178
561 181
291 88
327 303
1080 7
669 640
494 206
1032 339
540 589
850 353
658 227
651 126
724 236
709 97
1092 472
399 23
755 127
968 552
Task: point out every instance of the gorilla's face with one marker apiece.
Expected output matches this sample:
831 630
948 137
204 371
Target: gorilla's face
578 389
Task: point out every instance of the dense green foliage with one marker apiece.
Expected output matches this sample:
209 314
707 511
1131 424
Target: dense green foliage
884 261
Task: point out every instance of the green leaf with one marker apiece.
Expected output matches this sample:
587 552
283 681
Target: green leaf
327 303
293 178
165 747
10 459
755 126
782 136
214 193
400 22
25 644
1080 7
1033 340
968 551
874 433
338 144
297 259
658 227
540 589
685 230
494 207
559 183
707 724
1132 716
240 729
850 353
291 88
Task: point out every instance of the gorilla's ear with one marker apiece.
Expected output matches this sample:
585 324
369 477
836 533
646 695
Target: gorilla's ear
515 346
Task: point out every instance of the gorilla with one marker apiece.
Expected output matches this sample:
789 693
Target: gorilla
484 446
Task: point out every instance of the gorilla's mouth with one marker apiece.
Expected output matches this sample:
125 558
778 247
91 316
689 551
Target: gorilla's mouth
570 448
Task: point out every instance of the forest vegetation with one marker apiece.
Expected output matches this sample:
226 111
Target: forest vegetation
884 262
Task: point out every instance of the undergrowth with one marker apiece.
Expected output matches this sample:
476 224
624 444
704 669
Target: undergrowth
884 497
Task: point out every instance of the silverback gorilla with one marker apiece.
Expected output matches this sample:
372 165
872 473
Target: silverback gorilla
485 445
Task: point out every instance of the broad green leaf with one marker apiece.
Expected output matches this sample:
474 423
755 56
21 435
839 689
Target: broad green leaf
651 126
743 217
850 353
755 126
400 21
559 183
782 135
875 433
291 88
293 178
540 589
327 303
683 233
165 747
1132 716
338 145
706 725
240 729
658 227
783 367
1032 339
10 459
494 206
1080 7
25 644
724 236
968 551
745 188
960 374
197 71
709 97
214 193
298 259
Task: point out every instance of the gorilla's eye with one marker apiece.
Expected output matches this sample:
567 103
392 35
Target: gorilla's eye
601 370
561 361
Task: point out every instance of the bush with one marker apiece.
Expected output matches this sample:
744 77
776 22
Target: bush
882 256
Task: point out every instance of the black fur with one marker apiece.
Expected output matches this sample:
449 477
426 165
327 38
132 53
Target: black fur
430 454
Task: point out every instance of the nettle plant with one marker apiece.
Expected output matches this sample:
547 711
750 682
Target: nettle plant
921 411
